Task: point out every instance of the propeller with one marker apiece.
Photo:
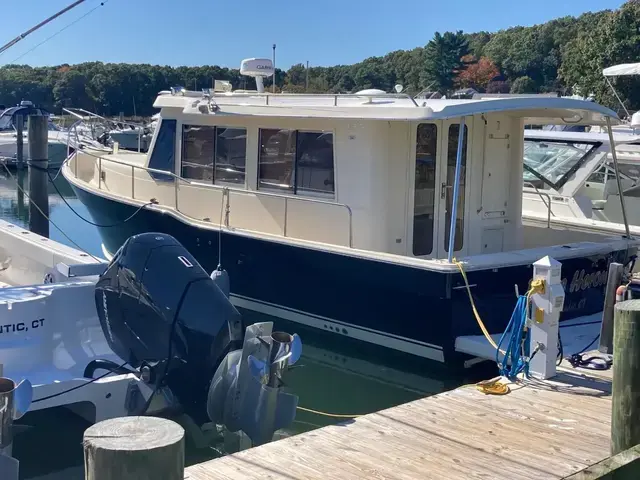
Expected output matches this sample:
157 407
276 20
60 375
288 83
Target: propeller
22 396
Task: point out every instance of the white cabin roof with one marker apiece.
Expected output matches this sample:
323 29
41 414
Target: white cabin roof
536 110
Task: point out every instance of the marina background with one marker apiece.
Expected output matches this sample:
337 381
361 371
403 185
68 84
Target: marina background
563 55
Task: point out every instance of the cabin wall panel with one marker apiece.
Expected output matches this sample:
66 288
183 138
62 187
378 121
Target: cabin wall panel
399 159
361 151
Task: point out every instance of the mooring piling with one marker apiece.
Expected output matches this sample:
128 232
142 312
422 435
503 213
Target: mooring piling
134 448
625 410
38 164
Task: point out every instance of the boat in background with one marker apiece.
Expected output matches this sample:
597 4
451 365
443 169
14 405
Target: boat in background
570 175
129 135
59 142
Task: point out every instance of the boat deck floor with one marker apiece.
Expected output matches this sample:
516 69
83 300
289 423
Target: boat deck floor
540 430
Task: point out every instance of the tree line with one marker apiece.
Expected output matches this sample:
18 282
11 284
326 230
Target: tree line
565 55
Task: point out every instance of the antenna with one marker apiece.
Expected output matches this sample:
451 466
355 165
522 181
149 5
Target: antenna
258 68
398 88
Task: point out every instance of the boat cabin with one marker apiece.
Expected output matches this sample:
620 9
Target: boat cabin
372 171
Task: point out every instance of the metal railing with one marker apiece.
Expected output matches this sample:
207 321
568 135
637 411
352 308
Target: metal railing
225 190
206 94
542 195
107 124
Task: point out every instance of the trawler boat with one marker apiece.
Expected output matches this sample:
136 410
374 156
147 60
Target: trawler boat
347 212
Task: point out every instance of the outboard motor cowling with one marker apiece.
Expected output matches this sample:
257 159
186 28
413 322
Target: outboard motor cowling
156 304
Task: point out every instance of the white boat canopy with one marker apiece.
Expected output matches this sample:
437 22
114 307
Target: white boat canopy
622 69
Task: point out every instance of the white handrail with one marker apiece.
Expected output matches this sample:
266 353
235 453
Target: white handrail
223 189
335 96
541 194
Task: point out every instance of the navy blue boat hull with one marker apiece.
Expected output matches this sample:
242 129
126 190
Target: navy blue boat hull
411 309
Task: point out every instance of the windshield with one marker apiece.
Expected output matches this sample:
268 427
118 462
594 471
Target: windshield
5 121
553 161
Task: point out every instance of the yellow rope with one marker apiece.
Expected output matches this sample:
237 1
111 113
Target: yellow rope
325 414
473 307
494 386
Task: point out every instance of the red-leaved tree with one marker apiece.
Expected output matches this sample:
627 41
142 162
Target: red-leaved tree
478 73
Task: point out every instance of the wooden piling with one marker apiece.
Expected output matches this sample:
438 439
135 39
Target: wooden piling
606 330
625 414
19 123
140 448
38 164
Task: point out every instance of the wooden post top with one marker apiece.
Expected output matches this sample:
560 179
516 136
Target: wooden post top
133 433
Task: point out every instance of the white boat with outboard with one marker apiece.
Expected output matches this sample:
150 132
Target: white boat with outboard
347 212
175 347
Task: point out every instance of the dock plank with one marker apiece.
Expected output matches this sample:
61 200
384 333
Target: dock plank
541 430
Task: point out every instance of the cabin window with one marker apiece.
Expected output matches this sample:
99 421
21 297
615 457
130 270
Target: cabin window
198 143
452 153
299 162
213 154
425 181
163 154
231 155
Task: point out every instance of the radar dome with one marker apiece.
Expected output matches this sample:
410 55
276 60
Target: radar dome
257 67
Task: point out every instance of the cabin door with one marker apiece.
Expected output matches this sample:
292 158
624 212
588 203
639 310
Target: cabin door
447 161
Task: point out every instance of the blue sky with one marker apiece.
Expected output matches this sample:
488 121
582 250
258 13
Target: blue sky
198 32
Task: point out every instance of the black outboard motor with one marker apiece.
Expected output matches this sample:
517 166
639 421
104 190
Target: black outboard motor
159 309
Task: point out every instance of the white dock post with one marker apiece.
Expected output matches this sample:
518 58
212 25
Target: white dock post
545 318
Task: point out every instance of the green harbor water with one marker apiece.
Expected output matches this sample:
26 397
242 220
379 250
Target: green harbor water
342 377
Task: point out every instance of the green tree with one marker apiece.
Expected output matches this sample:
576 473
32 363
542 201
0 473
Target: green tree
71 91
523 85
443 60
615 41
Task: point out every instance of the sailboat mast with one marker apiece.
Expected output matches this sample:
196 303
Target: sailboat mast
41 24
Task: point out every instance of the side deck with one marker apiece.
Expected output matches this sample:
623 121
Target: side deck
541 430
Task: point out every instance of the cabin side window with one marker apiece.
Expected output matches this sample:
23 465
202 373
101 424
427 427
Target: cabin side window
300 162
452 154
213 154
163 154
424 193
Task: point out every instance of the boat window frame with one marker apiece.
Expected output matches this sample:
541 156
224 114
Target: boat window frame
595 144
215 181
294 190
435 198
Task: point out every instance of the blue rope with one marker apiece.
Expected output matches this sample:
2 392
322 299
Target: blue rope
517 349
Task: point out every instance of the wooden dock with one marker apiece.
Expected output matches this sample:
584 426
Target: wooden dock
540 430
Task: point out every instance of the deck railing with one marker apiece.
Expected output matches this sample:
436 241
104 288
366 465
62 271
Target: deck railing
226 191
333 97
531 188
